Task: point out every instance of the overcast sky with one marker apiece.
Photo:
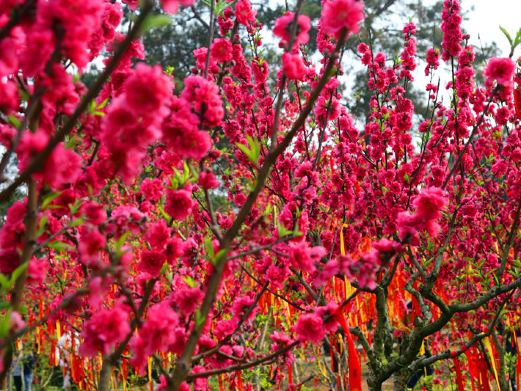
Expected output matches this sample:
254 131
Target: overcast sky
486 18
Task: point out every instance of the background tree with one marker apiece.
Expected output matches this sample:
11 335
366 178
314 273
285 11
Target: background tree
325 233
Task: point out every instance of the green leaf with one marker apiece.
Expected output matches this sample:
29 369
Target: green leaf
60 246
5 324
220 255
208 247
121 241
92 107
221 6
164 269
163 212
517 41
296 232
41 226
77 222
48 199
252 150
13 120
75 207
186 171
156 21
283 231
245 150
507 34
179 179
199 319
4 281
18 272
102 104
190 281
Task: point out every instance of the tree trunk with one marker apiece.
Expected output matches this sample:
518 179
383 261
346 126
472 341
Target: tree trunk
374 386
104 378
503 382
400 380
373 383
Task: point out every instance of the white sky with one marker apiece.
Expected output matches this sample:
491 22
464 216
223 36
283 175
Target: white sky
487 16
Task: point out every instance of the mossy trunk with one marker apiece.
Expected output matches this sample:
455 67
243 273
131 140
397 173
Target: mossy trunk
104 378
400 380
373 382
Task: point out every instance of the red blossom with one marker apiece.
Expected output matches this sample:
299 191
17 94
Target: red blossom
178 204
283 26
104 330
341 14
309 328
500 70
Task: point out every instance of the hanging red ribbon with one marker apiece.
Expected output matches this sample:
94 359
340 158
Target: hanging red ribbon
354 365
459 375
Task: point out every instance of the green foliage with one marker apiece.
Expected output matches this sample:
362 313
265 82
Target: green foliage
156 21
252 150
514 42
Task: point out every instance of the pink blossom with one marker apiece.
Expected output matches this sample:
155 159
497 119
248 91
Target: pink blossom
178 204
80 20
62 167
40 45
244 13
341 14
187 299
364 269
327 314
203 95
180 131
92 242
294 66
133 119
104 330
310 328
433 60
37 270
241 305
17 321
451 29
157 332
157 234
500 70
9 100
221 50
151 262
280 341
387 246
131 3
207 180
151 189
283 26
9 59
428 206
9 260
94 212
304 257
172 6
147 91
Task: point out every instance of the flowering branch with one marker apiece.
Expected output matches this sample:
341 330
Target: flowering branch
93 91
182 365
